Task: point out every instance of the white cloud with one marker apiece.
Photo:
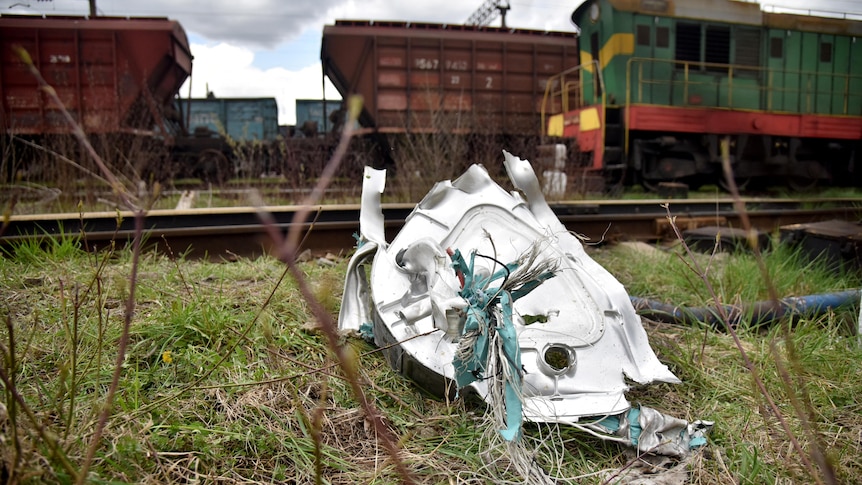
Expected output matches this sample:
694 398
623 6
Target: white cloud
229 72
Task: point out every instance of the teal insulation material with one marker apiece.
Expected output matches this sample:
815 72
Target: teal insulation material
481 323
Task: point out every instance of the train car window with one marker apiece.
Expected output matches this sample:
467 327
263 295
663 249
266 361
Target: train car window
826 52
747 51
776 47
717 45
662 37
643 35
687 42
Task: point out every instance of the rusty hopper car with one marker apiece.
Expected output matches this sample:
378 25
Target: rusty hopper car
113 75
118 79
427 78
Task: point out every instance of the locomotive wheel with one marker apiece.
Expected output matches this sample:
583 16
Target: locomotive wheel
805 176
213 167
801 184
741 183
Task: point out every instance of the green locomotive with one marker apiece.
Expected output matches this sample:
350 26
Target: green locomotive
662 82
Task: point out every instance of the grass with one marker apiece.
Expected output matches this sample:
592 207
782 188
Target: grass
220 386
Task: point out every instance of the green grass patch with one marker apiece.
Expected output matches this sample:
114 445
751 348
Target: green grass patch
222 383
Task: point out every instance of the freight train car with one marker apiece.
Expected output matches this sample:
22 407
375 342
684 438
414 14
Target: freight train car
241 119
318 116
423 78
227 137
661 82
115 76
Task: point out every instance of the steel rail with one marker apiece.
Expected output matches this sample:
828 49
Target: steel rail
239 232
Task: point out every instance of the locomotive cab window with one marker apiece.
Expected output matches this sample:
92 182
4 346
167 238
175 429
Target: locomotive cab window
746 51
826 52
717 47
662 37
687 42
776 47
643 35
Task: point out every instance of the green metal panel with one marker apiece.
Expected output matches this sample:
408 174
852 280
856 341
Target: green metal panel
614 22
793 79
823 88
746 92
704 89
854 103
841 78
777 98
809 64
744 80
804 78
642 77
651 72
588 76
663 70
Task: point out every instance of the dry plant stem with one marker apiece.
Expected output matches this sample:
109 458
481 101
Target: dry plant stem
348 361
11 405
48 438
816 445
177 265
71 162
323 182
121 349
817 451
73 387
745 359
316 426
287 248
631 463
127 200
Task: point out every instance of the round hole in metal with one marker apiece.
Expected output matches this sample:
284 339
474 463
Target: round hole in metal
559 358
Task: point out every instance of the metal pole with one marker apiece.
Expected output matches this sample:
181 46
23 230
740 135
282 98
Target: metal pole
92 8
323 87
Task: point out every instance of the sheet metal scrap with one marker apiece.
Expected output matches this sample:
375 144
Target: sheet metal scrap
577 333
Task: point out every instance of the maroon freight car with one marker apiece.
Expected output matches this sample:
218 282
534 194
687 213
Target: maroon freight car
114 75
425 78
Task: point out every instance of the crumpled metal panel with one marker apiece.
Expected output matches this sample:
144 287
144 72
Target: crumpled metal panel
578 333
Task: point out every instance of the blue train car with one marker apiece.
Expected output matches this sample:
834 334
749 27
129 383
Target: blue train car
243 119
311 110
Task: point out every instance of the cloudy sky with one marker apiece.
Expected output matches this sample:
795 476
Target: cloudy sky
271 48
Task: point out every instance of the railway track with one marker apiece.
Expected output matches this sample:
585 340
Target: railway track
239 232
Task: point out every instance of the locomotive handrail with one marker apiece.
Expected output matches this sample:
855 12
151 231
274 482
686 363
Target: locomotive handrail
762 78
728 76
565 88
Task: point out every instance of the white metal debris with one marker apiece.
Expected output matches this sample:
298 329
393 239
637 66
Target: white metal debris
578 336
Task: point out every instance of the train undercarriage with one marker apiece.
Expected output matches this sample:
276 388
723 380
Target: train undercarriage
756 161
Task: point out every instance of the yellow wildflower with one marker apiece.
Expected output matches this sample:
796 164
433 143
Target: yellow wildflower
166 357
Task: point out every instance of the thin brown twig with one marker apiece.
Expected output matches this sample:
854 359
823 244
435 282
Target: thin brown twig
817 452
121 349
720 309
48 438
347 360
